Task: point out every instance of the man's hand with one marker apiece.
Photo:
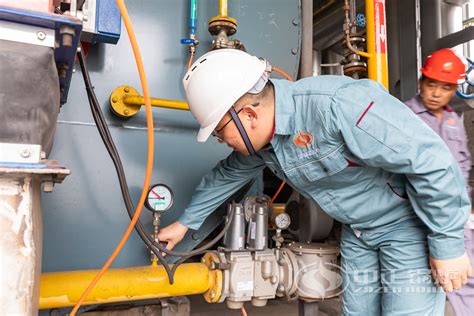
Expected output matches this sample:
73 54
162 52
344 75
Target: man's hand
172 234
452 273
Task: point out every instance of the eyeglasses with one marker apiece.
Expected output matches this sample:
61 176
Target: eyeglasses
215 133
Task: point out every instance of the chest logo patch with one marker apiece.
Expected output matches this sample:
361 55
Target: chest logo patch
303 139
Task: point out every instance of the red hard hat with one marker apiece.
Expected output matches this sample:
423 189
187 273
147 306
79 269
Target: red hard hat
444 65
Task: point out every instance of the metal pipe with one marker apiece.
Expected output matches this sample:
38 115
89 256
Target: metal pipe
62 289
376 41
352 15
192 18
348 25
20 243
306 63
222 8
126 101
163 103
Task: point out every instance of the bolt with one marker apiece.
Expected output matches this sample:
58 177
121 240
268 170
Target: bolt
62 70
126 112
114 100
67 40
41 35
294 51
281 288
196 236
203 260
68 34
126 89
213 294
43 155
295 22
25 153
48 186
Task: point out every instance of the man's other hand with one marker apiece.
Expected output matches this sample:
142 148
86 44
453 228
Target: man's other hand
451 274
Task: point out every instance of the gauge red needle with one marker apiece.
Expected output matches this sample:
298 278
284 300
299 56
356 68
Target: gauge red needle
156 194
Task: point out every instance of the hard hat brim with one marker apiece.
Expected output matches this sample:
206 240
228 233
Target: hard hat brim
205 132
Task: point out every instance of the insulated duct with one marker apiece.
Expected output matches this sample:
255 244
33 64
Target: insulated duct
29 94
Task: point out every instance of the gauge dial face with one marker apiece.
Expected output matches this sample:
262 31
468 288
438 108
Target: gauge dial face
159 198
283 221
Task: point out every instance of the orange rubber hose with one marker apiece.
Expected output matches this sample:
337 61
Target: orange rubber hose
281 72
243 311
190 62
278 191
149 165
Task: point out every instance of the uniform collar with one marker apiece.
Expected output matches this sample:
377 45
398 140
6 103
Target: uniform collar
284 107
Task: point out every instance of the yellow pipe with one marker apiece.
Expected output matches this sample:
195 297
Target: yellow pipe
222 8
62 289
170 104
376 41
126 101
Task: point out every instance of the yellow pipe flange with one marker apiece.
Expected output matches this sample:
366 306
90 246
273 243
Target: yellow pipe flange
223 19
126 101
216 280
119 107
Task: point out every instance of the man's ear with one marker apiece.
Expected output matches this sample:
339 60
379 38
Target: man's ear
251 115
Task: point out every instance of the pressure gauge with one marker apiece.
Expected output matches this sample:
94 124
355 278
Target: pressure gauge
159 198
283 221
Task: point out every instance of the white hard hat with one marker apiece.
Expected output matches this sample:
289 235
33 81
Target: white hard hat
216 81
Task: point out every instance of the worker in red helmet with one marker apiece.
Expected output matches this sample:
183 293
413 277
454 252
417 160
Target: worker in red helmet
442 72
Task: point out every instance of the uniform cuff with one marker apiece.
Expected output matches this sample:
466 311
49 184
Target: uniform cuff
188 222
446 248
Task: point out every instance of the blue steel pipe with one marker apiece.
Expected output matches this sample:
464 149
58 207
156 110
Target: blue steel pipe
193 18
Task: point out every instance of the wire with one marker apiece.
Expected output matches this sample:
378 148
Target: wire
190 62
111 148
243 311
146 184
278 191
281 72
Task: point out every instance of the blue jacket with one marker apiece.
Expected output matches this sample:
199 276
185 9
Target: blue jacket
361 154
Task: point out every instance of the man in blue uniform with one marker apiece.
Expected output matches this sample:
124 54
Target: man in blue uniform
355 150
442 72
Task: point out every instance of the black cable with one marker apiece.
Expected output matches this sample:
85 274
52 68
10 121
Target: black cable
112 150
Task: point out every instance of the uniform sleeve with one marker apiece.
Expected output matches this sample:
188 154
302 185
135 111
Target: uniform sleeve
384 133
218 185
464 160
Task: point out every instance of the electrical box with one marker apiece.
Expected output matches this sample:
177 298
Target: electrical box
101 21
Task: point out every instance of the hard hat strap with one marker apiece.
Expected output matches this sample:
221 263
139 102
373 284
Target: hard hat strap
242 131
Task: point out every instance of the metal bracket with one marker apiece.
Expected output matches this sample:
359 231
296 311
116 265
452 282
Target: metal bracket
19 153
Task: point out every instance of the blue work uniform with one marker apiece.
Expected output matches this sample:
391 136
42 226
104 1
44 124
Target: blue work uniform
371 164
451 129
